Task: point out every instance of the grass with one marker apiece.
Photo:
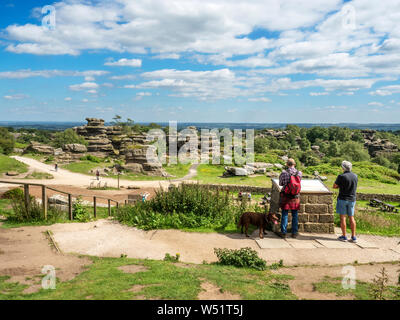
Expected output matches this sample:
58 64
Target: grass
362 289
10 164
160 280
39 175
373 221
10 222
85 166
212 174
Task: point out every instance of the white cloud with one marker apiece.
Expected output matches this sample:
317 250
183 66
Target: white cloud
68 99
84 86
27 73
18 96
261 99
376 104
125 63
123 77
316 94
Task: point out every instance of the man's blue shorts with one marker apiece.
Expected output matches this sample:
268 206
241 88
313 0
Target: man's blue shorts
345 207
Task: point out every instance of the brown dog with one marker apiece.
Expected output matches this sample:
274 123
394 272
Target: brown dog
259 220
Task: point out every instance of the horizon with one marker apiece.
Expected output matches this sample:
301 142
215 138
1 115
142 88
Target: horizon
191 61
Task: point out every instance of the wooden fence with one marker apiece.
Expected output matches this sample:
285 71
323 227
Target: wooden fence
70 195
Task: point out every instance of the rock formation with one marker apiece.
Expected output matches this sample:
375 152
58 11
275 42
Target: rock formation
377 146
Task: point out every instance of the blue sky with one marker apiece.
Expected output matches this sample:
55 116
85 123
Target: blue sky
201 61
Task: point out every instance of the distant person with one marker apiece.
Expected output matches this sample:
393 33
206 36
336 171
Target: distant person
346 201
56 167
97 174
290 180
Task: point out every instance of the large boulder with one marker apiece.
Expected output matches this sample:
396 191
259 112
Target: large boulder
37 147
234 171
75 148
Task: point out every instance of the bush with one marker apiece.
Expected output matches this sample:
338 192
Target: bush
7 141
13 193
79 212
66 137
91 158
186 206
242 258
170 258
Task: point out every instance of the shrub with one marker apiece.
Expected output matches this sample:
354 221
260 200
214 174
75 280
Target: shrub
79 212
242 258
67 137
13 193
91 158
7 141
186 206
170 258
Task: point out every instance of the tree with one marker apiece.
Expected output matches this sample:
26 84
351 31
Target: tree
333 149
67 137
317 133
354 151
7 141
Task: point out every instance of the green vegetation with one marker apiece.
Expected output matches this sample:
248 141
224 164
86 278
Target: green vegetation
188 206
10 164
241 258
39 175
7 141
104 280
373 221
67 137
362 291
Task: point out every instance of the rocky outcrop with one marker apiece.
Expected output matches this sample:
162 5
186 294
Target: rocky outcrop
37 147
95 133
279 134
377 146
143 159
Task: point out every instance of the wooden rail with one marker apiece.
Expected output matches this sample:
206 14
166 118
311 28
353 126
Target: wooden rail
26 186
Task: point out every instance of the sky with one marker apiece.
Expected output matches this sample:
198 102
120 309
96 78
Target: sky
264 61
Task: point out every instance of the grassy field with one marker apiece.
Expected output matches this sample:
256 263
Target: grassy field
213 174
157 280
10 164
362 291
84 167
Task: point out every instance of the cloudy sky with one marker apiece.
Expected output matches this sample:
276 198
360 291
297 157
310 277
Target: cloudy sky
201 60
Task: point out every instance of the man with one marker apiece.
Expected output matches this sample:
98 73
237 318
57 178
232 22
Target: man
98 174
347 185
289 201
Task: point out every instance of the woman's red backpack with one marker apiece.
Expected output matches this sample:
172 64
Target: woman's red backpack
293 188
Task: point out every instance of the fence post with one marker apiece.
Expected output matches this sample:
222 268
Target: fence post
70 206
27 198
94 207
109 207
44 202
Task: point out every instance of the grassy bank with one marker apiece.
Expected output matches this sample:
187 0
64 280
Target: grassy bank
10 164
155 280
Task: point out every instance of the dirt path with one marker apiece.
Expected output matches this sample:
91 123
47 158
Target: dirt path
24 252
65 177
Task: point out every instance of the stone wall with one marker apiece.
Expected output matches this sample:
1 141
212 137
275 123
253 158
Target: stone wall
315 214
379 196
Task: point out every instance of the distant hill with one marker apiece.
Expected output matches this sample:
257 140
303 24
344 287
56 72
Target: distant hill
59 126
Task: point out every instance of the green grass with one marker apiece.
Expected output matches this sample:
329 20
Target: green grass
362 289
10 164
10 222
374 222
161 280
84 167
39 175
212 174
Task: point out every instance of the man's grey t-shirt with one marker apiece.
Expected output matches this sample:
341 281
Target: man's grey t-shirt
347 183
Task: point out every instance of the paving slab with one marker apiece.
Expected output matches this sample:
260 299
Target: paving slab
336 244
366 245
270 243
302 244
